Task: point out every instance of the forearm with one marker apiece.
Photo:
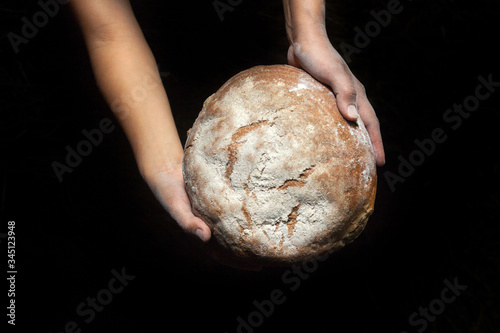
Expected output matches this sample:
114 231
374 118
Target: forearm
129 80
304 19
127 75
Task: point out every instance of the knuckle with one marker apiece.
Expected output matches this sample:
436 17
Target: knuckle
349 93
346 90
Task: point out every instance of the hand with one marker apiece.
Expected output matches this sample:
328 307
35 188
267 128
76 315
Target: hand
168 186
317 56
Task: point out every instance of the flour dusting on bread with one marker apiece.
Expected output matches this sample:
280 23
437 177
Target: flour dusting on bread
275 170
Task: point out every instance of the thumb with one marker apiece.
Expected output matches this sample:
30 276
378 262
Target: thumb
344 89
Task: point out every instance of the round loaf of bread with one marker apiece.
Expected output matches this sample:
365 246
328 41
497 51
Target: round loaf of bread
275 170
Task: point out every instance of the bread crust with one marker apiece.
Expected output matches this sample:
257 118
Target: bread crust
275 170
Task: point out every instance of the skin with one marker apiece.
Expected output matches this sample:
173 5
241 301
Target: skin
311 50
123 64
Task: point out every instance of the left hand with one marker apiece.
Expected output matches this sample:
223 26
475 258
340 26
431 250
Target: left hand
168 187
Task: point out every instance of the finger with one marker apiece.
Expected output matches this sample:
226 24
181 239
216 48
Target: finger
188 221
343 86
369 117
172 194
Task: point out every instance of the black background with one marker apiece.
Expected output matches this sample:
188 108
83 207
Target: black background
441 223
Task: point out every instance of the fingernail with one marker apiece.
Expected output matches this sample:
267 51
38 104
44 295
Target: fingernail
200 234
352 111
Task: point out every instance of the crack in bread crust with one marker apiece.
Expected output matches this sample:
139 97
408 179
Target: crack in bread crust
292 219
299 182
244 209
236 142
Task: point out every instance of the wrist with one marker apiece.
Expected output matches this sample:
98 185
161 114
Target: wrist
150 169
309 33
159 156
305 20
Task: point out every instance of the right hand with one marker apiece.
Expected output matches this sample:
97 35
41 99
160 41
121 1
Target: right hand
317 56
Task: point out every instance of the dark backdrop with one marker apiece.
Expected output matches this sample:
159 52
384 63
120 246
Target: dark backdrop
440 224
